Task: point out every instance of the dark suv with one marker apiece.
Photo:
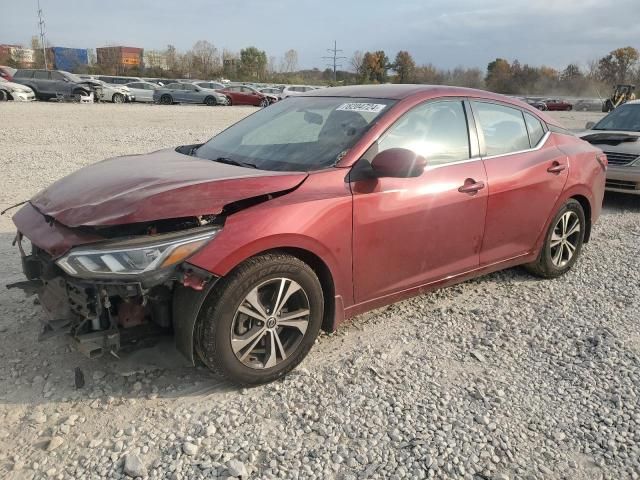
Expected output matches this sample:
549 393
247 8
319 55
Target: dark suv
47 84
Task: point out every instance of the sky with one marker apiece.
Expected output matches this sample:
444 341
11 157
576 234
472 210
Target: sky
445 33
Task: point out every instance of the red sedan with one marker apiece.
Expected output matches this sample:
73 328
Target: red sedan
304 214
557 105
244 95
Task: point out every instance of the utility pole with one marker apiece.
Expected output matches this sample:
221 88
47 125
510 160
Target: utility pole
42 37
334 58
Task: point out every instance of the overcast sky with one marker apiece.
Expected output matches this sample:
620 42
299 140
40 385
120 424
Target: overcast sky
446 33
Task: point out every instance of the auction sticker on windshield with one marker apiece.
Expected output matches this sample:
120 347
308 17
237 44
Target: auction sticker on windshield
361 107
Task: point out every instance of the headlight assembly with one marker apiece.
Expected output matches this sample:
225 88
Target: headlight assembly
134 257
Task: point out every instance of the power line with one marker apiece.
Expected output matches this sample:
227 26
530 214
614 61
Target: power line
42 37
334 57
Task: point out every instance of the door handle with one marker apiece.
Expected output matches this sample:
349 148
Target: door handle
471 186
556 168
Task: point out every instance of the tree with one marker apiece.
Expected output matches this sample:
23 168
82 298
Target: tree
253 63
357 65
405 67
290 61
618 65
38 54
205 59
375 66
499 76
571 73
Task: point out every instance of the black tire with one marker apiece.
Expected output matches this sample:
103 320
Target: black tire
264 103
217 318
118 98
77 94
4 96
544 266
229 101
166 100
210 101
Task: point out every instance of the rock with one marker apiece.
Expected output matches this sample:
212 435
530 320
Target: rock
477 355
211 430
237 469
39 418
54 443
98 375
134 467
189 448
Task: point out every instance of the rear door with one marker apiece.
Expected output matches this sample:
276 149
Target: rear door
526 174
43 83
409 232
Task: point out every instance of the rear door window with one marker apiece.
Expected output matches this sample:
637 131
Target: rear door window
24 74
41 75
503 128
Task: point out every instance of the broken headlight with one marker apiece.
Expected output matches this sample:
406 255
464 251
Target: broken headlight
133 257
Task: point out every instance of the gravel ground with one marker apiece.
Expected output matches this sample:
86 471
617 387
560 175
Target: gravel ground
502 377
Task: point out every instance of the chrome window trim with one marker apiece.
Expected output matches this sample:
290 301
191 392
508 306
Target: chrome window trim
539 146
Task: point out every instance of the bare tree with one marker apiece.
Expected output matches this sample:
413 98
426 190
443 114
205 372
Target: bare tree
290 61
205 59
357 62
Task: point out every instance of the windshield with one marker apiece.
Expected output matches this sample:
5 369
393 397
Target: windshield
625 118
296 134
72 77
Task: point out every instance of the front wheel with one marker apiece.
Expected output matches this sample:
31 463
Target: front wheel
264 103
118 98
4 96
166 100
261 320
210 101
563 242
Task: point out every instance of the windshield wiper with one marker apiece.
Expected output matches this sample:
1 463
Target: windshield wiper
230 161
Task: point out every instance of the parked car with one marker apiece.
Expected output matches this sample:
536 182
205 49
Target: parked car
588 105
275 92
210 85
293 90
7 72
245 95
618 134
303 214
143 91
537 104
15 91
111 92
48 84
556 105
187 93
118 80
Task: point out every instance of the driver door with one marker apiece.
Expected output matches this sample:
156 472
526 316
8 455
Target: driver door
409 232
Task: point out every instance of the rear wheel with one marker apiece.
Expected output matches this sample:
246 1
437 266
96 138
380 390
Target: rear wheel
563 242
210 101
166 100
261 320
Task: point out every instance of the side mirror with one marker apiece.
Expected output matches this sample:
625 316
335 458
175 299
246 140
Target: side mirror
398 163
590 125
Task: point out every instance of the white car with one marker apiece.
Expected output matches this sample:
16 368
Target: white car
15 92
108 92
293 90
142 91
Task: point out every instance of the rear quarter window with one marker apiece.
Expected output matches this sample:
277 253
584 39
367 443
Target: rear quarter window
535 129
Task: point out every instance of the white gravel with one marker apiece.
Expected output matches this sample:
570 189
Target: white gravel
499 378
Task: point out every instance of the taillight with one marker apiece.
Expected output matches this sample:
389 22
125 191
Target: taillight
602 160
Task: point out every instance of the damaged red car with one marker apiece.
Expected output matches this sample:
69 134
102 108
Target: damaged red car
308 212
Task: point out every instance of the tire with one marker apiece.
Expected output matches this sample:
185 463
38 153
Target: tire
210 101
118 98
263 103
569 109
4 96
549 264
229 102
253 360
166 100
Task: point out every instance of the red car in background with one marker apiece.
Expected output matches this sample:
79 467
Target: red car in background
557 105
306 213
245 95
7 73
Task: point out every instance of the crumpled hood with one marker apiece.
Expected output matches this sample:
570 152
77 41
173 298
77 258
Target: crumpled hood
613 140
159 185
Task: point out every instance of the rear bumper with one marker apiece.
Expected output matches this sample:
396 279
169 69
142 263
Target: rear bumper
623 179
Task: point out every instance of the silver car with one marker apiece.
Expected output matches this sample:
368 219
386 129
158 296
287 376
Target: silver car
143 91
618 135
187 93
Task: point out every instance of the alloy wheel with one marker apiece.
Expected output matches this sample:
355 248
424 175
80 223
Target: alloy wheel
270 323
565 239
